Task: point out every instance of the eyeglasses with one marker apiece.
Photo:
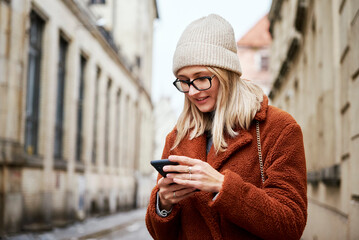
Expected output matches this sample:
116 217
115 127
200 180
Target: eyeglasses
201 84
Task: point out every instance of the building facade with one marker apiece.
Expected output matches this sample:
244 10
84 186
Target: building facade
253 51
76 130
165 120
315 66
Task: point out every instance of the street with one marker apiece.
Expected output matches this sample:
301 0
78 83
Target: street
135 231
128 225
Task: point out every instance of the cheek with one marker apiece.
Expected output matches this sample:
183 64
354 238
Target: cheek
215 91
189 98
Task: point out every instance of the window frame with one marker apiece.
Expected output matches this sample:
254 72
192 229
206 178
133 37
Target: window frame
60 106
33 83
80 108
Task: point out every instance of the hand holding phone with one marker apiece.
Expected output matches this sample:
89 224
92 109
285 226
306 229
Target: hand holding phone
159 164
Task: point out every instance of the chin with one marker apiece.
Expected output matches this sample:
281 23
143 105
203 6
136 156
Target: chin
205 109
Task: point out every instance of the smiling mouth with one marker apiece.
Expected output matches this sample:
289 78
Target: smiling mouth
201 99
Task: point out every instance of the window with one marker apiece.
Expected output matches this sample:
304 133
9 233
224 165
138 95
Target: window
126 131
61 75
264 64
107 121
98 1
138 61
80 107
117 129
94 142
33 84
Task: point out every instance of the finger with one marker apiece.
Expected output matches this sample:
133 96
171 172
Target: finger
165 182
185 176
180 198
177 187
160 180
184 192
167 191
174 196
167 196
183 160
189 183
175 168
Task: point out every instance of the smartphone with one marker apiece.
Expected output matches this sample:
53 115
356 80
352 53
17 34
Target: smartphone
159 164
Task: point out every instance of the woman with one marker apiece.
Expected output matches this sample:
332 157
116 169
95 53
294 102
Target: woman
241 172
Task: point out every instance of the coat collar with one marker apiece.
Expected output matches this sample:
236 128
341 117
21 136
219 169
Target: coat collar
261 115
244 137
217 160
195 148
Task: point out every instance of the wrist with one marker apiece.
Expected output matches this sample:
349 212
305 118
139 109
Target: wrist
164 206
160 211
220 183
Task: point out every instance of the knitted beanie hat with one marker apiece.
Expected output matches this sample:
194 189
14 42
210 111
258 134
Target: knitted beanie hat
208 41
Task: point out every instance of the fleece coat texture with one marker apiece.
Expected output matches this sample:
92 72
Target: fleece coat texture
245 208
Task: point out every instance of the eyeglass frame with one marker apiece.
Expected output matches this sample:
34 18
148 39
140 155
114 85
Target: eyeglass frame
189 83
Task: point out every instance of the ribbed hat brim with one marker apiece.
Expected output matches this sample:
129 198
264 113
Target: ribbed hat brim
203 54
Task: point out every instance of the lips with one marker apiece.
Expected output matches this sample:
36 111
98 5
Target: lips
201 99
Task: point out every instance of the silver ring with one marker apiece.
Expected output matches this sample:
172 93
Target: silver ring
189 170
174 194
190 176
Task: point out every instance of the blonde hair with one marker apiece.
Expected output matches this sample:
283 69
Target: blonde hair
238 101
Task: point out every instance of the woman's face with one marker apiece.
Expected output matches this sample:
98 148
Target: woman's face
205 100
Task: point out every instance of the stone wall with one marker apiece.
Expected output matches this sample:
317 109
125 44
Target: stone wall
315 64
38 191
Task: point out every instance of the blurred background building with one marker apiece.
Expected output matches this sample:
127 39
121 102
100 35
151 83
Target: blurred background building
165 120
315 66
76 116
253 50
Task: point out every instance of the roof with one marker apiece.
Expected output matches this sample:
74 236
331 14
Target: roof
258 35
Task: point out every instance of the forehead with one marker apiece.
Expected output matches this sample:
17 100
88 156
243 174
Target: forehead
192 71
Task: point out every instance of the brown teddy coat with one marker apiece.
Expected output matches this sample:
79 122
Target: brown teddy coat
244 209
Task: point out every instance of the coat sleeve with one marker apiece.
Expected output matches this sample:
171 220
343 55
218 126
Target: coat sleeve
279 209
159 227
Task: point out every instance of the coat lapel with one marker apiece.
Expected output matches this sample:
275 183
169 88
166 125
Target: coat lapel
195 148
234 144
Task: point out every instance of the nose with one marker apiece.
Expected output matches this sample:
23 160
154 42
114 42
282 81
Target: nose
192 91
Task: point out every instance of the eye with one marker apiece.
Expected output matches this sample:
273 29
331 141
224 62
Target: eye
202 78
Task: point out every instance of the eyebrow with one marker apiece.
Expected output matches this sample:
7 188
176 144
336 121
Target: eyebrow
196 74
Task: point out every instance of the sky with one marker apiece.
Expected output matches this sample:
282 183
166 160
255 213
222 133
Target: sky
174 16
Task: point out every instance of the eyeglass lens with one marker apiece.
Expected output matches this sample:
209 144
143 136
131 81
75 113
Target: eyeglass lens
202 83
